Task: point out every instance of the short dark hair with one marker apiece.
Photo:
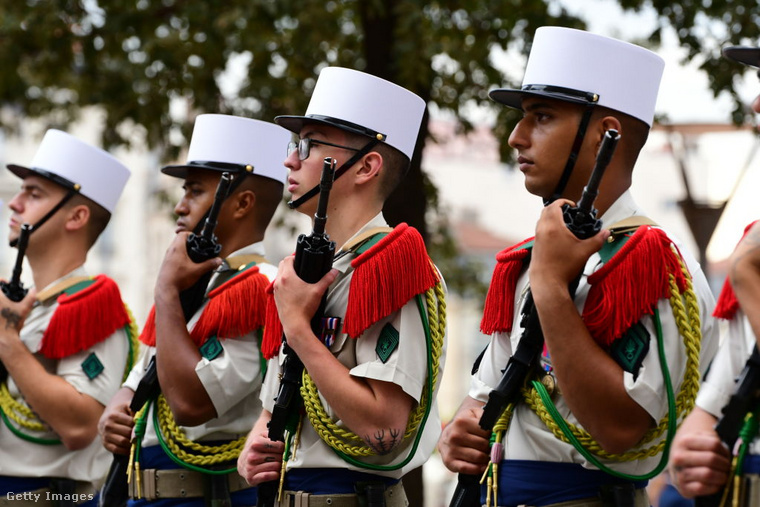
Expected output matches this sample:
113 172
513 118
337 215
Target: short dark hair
395 163
99 216
635 137
268 194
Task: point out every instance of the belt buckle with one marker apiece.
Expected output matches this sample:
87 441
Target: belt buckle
294 499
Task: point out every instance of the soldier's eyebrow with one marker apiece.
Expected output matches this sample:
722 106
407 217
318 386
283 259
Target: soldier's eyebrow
30 187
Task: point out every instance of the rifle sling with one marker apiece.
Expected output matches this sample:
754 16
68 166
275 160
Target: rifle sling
59 287
357 241
629 224
239 261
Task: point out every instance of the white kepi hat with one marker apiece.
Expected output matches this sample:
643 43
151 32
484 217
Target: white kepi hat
233 144
363 104
583 67
76 165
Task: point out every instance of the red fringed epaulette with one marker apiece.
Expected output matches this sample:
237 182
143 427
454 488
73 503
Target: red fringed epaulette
234 308
386 277
631 283
148 334
727 304
84 318
270 344
499 308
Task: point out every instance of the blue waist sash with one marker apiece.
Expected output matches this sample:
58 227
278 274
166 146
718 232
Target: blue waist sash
751 464
542 483
329 481
21 484
155 457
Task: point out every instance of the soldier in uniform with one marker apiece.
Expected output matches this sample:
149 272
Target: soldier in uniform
66 344
700 464
373 367
589 426
187 439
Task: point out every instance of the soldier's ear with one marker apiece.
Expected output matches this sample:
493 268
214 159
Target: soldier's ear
369 167
77 217
244 202
606 123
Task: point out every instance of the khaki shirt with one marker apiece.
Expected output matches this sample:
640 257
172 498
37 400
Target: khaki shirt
232 379
21 458
406 367
528 438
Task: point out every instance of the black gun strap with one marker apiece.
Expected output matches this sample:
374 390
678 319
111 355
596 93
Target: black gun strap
525 357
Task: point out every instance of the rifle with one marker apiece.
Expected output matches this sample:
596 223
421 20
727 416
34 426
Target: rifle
313 260
582 222
200 247
14 289
744 400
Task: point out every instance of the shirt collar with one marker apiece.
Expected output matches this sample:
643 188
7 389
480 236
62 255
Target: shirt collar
621 209
252 249
377 221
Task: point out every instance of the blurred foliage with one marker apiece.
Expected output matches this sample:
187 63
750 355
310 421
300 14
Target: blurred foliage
152 66
703 27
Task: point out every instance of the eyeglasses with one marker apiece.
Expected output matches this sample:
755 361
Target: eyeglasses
304 147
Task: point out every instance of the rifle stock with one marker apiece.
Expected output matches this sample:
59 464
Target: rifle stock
744 400
200 248
14 289
582 222
313 260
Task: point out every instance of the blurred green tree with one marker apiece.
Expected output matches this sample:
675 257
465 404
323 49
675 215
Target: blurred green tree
153 65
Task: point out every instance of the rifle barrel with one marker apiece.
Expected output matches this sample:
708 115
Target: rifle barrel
325 185
221 193
23 243
591 190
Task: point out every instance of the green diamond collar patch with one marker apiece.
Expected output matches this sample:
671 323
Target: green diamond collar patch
631 349
387 342
92 366
211 349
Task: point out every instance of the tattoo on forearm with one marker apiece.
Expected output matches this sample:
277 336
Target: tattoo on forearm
12 319
382 443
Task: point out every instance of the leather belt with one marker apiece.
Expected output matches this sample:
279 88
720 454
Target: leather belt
750 496
394 497
641 499
178 483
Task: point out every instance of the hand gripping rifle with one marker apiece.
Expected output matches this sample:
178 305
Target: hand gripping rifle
744 401
313 260
14 289
200 248
582 221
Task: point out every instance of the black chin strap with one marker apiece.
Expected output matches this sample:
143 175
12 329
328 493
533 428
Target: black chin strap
570 165
338 173
71 193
